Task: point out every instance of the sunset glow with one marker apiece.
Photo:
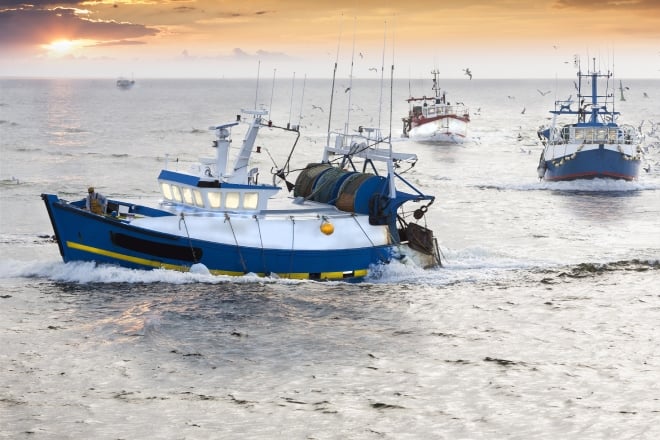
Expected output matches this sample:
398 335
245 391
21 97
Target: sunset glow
60 47
205 38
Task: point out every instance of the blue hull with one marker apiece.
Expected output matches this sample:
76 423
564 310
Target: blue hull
592 164
83 236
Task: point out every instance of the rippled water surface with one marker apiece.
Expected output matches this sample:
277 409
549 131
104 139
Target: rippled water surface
541 324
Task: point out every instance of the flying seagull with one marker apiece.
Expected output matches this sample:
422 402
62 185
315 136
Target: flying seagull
373 68
317 107
468 72
543 93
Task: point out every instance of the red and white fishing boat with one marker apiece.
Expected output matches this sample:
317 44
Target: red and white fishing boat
434 119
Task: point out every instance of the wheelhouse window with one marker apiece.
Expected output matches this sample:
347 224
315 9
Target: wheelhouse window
215 199
232 200
199 201
187 195
167 190
250 200
601 134
176 193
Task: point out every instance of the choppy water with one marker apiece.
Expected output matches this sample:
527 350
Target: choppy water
542 324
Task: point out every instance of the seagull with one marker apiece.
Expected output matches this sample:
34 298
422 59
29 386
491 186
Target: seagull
543 93
373 68
510 97
317 107
468 72
361 56
523 110
646 95
347 90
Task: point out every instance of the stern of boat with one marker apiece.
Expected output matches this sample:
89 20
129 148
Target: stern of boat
420 245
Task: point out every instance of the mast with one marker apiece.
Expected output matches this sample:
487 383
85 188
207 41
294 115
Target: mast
332 96
350 82
382 75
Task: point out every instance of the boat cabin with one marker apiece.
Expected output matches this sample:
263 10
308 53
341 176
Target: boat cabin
213 195
597 135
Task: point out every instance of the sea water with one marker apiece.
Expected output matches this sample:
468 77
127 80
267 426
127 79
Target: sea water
542 323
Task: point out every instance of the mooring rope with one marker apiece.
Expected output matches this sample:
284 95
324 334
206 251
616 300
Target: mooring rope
293 243
192 250
263 255
227 219
363 231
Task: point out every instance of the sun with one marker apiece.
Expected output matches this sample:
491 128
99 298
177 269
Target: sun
61 47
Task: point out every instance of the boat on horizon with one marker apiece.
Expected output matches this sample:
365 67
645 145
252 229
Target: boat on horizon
434 119
592 144
125 83
342 222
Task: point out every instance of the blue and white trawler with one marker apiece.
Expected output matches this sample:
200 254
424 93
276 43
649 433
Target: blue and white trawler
593 144
344 219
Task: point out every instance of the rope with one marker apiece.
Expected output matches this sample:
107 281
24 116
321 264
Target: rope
363 231
192 250
263 255
227 219
293 242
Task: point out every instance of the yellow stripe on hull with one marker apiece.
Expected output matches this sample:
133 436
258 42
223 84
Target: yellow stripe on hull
360 273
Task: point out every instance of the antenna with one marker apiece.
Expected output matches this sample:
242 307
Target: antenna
293 81
302 100
272 93
350 81
332 91
382 73
391 91
256 93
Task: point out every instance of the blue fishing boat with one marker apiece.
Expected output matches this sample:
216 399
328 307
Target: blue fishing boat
593 144
344 218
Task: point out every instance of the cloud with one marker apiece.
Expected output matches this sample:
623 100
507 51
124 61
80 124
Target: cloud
239 54
38 3
645 5
184 9
33 26
120 43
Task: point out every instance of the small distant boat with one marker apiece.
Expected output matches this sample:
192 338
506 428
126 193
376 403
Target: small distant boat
342 221
434 119
125 83
594 144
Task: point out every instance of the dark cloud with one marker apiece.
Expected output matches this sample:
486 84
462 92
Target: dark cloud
38 3
184 9
32 26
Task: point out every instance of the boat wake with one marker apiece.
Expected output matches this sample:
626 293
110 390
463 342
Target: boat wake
594 185
461 268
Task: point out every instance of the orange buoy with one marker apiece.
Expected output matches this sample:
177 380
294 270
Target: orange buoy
327 228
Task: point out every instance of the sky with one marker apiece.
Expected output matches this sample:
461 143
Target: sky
226 39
